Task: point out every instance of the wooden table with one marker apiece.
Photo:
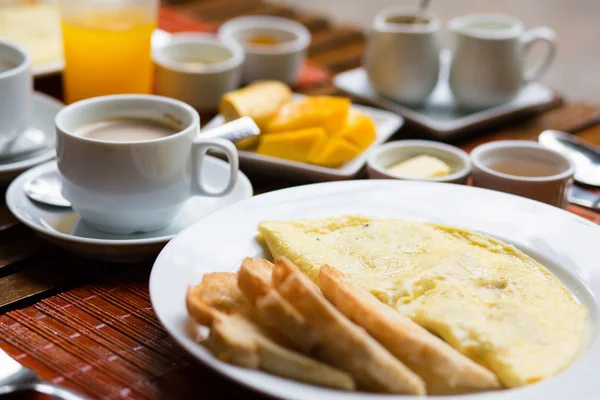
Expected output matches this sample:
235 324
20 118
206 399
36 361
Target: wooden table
90 326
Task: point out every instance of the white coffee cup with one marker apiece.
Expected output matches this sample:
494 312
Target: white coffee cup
16 91
548 188
402 59
282 61
125 187
488 59
197 68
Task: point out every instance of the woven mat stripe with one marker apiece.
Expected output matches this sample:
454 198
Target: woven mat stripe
144 358
129 302
87 350
96 384
126 323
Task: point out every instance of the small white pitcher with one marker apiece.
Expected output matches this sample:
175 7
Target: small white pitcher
489 55
402 59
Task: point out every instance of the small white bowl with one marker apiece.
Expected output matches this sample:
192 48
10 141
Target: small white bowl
551 189
281 61
200 85
388 154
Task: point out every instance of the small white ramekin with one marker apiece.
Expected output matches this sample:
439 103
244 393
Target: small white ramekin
200 86
281 61
551 189
391 153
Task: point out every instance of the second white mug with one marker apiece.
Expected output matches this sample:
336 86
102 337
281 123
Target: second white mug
489 55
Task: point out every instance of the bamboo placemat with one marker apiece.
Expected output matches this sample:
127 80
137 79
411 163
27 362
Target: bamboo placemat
101 337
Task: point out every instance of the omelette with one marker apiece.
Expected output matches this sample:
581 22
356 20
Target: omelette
487 299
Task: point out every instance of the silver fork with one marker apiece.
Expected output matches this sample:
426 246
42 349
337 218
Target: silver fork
16 378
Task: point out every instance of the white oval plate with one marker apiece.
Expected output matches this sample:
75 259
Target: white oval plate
64 227
565 243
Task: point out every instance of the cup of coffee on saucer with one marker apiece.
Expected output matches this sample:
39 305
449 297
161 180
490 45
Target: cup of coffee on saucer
129 162
524 168
16 92
198 68
488 61
402 54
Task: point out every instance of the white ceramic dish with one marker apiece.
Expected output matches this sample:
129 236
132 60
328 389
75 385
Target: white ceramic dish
199 85
45 109
439 115
387 124
159 38
63 227
282 61
565 243
388 154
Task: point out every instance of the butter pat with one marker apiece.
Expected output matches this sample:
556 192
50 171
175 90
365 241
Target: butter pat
419 167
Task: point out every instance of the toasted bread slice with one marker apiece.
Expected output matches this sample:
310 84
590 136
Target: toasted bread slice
236 339
444 369
220 291
254 278
347 346
273 311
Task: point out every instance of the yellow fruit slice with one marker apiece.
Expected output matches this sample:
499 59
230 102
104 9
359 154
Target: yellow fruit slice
334 153
359 129
329 112
294 145
260 101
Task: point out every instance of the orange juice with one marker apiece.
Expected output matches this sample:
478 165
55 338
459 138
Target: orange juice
107 53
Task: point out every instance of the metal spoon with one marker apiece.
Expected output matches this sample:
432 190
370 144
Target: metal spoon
46 188
585 157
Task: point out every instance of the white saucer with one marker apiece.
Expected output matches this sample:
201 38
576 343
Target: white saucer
45 109
440 115
63 227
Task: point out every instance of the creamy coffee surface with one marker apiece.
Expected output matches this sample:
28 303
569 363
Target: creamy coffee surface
126 130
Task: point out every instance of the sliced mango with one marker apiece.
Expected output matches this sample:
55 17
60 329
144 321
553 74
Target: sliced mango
359 129
329 112
334 152
294 145
260 101
247 143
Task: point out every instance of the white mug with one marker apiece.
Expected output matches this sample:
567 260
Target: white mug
551 189
16 91
282 61
488 58
402 59
138 186
198 69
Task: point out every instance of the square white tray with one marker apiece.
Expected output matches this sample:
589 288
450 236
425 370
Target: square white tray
440 115
386 123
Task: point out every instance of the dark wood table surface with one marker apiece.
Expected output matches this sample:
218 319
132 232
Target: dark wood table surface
89 325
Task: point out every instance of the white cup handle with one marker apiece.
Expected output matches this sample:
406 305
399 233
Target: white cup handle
541 34
199 149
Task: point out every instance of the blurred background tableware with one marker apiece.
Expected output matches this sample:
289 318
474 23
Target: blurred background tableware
16 89
402 54
489 55
384 157
585 157
46 188
275 47
129 162
524 168
198 68
107 46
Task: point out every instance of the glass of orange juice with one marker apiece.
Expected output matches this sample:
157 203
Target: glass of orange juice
107 46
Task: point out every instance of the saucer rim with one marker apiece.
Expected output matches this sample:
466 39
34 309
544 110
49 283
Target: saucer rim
18 182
